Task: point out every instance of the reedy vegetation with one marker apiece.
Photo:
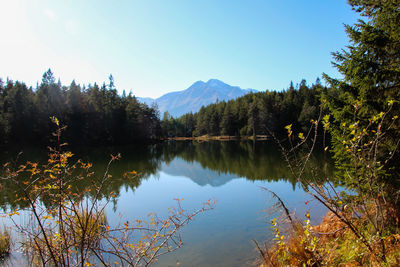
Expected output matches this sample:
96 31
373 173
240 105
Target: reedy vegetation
5 242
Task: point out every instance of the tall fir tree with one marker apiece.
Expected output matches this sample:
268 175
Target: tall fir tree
371 69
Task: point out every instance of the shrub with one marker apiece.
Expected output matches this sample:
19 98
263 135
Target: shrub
70 228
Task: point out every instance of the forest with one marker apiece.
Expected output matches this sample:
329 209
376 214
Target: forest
252 114
99 115
93 114
359 111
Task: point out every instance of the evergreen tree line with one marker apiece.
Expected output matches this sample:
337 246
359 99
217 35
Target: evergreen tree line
93 114
252 114
98 115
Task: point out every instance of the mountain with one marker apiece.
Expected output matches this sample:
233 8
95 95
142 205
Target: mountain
198 94
198 174
147 100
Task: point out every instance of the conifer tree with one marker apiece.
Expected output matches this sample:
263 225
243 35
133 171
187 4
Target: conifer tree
371 86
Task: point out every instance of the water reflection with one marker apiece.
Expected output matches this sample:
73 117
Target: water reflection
195 172
240 159
229 172
207 163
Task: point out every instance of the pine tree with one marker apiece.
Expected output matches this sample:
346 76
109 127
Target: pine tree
371 70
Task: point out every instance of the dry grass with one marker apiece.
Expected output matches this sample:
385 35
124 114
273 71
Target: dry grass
88 226
293 251
80 228
335 245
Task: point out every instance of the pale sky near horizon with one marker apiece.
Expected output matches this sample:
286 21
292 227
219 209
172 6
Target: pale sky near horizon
153 47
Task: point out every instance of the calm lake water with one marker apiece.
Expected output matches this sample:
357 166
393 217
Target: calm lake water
231 173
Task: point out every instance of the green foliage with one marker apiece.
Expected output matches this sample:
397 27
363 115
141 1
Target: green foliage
365 131
363 204
364 104
365 135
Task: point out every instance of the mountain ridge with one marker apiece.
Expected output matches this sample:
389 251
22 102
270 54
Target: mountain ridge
199 94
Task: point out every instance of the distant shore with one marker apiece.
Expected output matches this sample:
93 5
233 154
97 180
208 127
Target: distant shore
218 138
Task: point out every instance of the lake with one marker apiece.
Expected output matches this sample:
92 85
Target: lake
231 173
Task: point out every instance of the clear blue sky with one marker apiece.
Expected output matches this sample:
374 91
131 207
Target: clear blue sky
154 47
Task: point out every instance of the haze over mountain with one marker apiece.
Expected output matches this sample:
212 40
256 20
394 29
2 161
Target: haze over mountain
198 94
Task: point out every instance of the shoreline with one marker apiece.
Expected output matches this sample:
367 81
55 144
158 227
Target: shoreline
217 138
